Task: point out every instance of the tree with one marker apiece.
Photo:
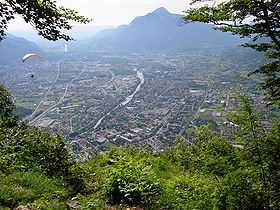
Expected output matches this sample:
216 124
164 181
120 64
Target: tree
258 20
44 15
7 107
260 152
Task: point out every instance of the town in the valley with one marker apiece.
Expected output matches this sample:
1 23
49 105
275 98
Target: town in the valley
99 100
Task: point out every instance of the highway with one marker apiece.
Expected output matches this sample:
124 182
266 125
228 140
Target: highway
33 122
30 118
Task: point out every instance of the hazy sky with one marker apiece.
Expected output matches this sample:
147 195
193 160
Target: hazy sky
114 12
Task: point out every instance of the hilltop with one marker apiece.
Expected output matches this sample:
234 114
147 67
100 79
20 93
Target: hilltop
159 30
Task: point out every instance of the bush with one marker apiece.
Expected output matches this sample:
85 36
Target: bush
241 191
7 108
23 149
133 184
190 192
208 153
92 202
125 176
22 188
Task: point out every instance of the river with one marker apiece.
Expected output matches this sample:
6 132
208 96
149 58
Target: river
140 75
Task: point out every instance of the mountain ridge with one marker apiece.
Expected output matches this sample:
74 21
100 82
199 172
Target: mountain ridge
157 31
12 48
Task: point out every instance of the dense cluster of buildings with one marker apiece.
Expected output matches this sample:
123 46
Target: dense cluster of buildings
98 101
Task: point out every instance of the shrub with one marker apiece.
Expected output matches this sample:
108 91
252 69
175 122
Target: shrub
125 176
92 202
208 153
241 191
133 184
190 192
22 188
7 108
23 148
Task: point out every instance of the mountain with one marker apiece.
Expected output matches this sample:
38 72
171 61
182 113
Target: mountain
79 32
12 48
160 30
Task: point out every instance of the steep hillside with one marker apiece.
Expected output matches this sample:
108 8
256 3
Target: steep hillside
13 48
157 31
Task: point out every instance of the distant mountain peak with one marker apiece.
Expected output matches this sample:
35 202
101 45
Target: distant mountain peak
161 11
161 30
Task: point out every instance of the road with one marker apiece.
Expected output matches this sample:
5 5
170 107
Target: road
30 118
33 122
123 103
126 101
196 114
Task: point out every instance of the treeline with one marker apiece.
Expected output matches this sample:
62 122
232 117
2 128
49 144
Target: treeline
38 172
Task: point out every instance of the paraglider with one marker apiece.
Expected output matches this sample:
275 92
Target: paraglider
30 56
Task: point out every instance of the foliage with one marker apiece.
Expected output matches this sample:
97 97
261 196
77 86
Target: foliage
190 192
92 202
23 148
44 15
258 20
7 108
37 170
208 153
207 174
35 167
132 184
247 117
31 188
260 151
126 176
241 191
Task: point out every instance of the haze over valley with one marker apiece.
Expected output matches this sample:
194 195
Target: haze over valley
143 105
141 83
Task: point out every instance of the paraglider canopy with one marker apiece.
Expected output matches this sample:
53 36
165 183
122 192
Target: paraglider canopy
30 56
